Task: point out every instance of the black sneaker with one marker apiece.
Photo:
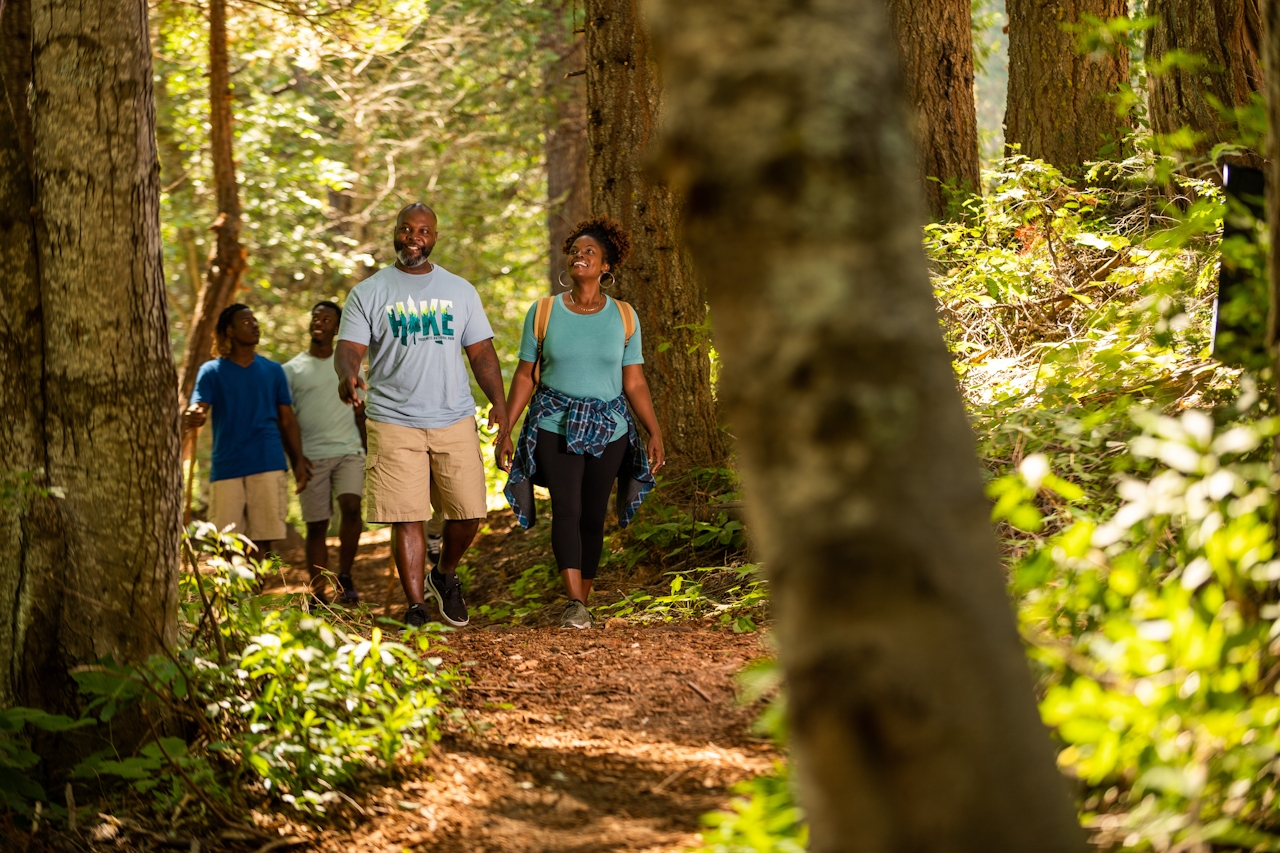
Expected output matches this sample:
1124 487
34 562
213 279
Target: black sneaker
315 602
448 592
416 616
434 544
347 590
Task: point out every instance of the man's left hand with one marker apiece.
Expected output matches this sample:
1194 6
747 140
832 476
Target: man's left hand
302 473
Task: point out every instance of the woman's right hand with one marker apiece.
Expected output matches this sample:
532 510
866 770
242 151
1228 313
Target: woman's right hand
656 452
504 453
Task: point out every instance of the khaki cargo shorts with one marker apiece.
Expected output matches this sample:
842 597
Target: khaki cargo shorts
405 463
255 506
337 475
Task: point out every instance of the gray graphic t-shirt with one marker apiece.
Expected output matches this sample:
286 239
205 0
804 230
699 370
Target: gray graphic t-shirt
415 327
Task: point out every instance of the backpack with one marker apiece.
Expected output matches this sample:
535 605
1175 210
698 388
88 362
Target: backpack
542 319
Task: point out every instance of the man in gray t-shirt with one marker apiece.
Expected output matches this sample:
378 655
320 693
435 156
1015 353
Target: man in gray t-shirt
416 321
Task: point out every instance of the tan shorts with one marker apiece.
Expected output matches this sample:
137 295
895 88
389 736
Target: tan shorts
255 506
405 462
338 475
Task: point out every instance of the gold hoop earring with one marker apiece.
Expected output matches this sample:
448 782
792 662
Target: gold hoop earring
612 280
560 279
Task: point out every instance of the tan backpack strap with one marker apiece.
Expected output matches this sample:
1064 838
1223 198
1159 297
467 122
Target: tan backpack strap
541 320
628 320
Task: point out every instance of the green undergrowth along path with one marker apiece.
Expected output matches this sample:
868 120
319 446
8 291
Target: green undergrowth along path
260 702
1131 490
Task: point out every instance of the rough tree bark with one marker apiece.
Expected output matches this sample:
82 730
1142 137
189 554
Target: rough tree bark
86 372
1058 108
914 725
624 107
935 44
568 175
1270 13
1225 35
227 258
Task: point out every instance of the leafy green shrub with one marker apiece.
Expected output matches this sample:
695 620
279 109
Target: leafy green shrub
737 597
527 595
1155 629
684 519
270 694
18 791
764 818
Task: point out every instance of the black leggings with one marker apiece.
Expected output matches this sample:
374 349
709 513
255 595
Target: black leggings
579 486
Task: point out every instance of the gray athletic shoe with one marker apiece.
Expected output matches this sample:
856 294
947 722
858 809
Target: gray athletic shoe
434 544
575 616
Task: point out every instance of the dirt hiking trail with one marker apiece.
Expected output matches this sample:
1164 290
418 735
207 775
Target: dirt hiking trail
617 738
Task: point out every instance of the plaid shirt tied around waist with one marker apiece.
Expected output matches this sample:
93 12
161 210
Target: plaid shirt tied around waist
590 428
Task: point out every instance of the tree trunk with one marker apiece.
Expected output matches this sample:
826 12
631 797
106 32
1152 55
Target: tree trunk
913 723
568 176
935 44
1224 37
1270 14
623 112
86 398
1058 108
226 261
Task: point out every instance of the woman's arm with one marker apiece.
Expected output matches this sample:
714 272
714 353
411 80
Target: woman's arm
518 397
637 391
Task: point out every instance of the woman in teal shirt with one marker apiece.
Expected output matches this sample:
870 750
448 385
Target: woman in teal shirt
579 436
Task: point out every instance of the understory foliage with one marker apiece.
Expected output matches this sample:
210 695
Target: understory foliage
260 699
1132 491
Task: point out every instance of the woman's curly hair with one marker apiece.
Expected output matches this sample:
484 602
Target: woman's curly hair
616 242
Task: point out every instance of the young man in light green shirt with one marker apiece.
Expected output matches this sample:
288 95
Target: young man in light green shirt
334 440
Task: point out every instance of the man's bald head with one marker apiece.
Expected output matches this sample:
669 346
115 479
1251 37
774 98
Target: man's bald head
416 207
415 237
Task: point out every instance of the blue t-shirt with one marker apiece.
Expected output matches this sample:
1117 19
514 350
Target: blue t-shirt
582 356
246 434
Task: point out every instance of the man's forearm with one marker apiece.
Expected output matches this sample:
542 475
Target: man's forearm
346 360
488 373
293 444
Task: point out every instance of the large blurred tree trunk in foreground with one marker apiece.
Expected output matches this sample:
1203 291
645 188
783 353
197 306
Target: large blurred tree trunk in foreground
624 108
1223 38
86 373
1058 106
935 43
914 725
568 175
227 260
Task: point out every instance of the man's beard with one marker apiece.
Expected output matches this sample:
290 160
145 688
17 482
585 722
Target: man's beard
403 256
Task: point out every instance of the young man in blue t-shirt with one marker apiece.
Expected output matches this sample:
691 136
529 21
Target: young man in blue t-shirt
253 428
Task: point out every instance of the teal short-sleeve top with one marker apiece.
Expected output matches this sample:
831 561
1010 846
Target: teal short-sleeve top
582 356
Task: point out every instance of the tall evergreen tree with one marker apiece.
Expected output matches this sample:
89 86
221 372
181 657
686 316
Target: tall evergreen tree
87 380
1220 70
935 43
228 259
913 722
624 109
1059 108
568 172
